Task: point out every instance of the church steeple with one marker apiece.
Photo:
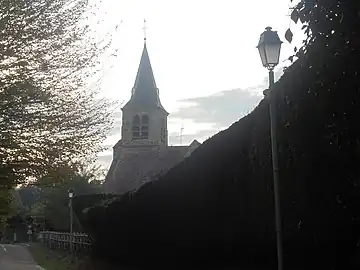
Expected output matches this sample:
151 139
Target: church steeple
145 92
144 119
145 81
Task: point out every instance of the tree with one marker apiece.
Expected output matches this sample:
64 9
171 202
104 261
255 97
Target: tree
29 195
51 118
325 23
5 209
54 204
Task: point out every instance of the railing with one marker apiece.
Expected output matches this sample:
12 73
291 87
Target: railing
75 242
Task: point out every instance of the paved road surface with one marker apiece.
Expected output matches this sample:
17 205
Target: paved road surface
16 257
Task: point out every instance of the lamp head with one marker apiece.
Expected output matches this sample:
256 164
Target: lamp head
71 192
269 48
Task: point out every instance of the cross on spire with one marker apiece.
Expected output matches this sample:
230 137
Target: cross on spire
144 29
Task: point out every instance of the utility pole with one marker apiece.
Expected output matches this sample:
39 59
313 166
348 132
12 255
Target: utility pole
181 133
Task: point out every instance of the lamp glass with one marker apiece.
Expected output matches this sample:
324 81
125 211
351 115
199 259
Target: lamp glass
272 54
269 48
262 53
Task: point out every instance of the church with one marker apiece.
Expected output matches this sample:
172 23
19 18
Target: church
143 154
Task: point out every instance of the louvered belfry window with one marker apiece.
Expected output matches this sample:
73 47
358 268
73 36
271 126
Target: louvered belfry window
140 127
136 127
144 132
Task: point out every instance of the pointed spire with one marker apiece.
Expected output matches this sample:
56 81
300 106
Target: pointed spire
145 77
145 91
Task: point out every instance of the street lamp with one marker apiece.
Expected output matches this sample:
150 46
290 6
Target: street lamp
71 196
269 48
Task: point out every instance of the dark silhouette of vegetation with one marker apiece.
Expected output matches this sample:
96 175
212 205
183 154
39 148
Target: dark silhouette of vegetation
217 205
84 202
52 202
47 207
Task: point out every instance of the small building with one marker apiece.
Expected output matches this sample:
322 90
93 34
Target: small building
142 154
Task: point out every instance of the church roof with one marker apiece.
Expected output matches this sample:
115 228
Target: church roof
136 168
145 92
195 143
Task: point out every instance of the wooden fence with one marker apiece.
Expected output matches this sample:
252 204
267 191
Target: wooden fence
77 243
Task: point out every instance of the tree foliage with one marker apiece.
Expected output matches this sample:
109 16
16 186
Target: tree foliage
29 196
5 209
56 202
51 203
51 116
325 24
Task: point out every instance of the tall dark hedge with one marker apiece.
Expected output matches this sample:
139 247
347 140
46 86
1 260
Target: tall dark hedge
217 205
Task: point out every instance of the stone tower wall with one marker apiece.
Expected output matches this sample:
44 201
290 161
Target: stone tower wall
157 124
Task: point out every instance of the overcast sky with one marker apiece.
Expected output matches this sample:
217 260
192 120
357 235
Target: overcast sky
204 57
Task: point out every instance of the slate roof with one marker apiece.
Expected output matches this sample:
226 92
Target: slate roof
134 169
145 92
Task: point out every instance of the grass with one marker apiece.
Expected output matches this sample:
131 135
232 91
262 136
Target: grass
51 259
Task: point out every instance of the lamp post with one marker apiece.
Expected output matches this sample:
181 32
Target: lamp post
71 195
269 48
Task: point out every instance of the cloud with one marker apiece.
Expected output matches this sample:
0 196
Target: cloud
225 107
220 109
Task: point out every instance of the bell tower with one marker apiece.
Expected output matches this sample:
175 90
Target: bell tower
142 153
143 116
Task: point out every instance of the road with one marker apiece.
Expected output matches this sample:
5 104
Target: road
16 257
